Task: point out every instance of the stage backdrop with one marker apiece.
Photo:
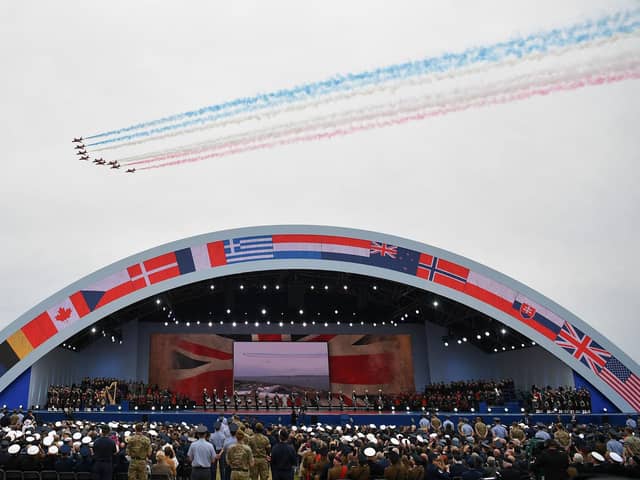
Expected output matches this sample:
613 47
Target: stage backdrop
187 363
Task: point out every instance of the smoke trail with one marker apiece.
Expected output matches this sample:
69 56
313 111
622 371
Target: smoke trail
619 23
390 87
497 100
459 96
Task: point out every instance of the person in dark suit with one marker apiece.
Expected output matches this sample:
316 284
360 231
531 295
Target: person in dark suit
553 462
283 458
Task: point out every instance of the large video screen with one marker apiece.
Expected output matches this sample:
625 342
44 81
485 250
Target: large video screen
271 368
187 363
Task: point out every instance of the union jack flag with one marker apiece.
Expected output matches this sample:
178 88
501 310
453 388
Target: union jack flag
582 347
383 249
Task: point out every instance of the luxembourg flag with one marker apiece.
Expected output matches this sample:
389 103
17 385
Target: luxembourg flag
319 246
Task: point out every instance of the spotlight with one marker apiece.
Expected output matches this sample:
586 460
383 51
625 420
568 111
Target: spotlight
473 409
417 312
495 349
351 324
135 408
212 287
188 324
301 312
277 287
312 287
345 287
93 329
157 301
489 409
246 322
455 409
241 287
522 345
459 342
503 349
233 324
435 303
375 287
221 322
228 310
264 287
263 311
326 287
304 324
375 324
479 337
256 324
503 331
326 324
119 407
446 344
335 311
522 409
533 343
506 409
487 333
280 324
464 339
153 407
604 409
210 324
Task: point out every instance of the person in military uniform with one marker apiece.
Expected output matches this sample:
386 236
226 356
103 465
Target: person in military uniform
338 471
480 428
261 449
436 424
395 471
562 437
239 458
139 448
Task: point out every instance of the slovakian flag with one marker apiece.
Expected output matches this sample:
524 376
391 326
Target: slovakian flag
538 317
442 271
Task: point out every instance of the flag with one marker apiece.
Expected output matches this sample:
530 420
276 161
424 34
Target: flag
622 380
40 329
536 316
391 257
582 347
64 314
270 337
490 292
103 292
442 271
247 249
163 267
319 246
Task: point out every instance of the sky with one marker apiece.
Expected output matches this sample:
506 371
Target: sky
543 190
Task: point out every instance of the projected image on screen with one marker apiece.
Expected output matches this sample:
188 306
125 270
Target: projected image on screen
276 368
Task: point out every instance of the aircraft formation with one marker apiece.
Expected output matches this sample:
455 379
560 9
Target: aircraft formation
84 156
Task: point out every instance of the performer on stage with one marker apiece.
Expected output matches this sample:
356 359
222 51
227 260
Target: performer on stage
317 400
354 400
256 398
225 399
215 399
205 399
236 400
366 400
380 400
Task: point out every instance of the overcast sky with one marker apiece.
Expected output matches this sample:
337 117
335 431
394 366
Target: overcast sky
545 190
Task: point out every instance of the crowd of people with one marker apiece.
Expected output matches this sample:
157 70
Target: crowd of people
99 392
435 449
460 396
561 400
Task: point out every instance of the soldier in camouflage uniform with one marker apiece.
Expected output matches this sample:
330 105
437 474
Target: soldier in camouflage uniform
239 458
261 449
139 449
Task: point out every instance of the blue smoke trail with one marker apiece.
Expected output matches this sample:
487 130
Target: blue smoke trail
619 23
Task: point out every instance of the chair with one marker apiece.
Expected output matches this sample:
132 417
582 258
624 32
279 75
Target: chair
13 475
49 475
29 475
66 476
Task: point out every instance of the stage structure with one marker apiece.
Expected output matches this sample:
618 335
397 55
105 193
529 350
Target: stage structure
220 254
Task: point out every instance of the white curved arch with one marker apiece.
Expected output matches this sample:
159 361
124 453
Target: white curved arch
193 259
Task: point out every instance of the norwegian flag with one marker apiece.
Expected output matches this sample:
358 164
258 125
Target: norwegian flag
622 380
442 271
383 249
582 347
